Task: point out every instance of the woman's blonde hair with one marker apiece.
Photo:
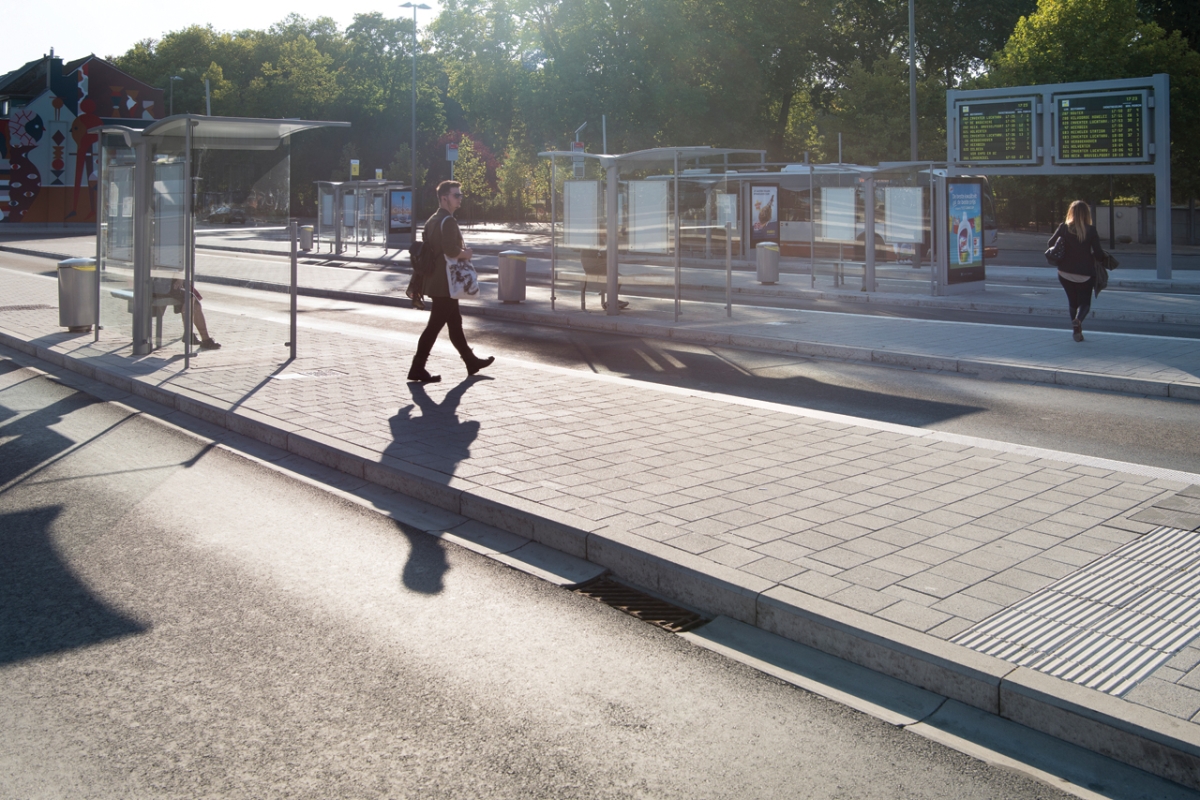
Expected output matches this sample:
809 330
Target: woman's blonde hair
1079 217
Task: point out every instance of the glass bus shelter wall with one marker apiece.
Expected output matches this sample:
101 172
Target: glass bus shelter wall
256 181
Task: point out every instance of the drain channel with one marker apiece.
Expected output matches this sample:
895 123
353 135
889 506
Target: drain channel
640 605
26 308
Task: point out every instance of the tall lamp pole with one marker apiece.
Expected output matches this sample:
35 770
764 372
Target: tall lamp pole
171 108
912 81
414 7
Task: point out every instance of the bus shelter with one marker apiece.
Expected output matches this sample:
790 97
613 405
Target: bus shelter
649 203
623 215
362 213
159 184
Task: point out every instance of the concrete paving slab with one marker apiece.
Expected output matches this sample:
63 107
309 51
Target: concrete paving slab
849 501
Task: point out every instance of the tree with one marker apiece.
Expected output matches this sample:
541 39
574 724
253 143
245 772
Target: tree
1087 40
1174 15
872 112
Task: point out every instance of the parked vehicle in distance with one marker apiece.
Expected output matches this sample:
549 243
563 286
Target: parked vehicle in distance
228 215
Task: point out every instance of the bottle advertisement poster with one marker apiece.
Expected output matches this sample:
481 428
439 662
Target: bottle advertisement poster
400 216
764 214
965 230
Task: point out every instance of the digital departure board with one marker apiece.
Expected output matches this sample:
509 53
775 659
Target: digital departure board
997 131
1098 128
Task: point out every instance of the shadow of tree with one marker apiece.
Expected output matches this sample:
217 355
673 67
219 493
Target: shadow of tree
44 607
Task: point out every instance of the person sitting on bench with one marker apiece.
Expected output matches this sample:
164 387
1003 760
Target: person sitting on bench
174 290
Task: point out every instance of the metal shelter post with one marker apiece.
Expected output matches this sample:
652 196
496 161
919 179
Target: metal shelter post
189 253
142 287
553 218
101 233
612 225
869 234
938 233
812 231
293 236
728 269
678 250
1162 175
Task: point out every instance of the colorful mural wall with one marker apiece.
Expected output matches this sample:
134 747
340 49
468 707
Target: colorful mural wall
48 157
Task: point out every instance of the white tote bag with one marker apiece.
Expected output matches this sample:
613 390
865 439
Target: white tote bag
461 278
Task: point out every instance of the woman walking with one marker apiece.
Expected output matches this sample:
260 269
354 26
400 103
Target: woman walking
443 237
1077 271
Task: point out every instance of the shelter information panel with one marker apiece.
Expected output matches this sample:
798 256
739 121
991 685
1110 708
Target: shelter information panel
997 131
1099 128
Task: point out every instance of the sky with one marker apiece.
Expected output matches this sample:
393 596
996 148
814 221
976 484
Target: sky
75 28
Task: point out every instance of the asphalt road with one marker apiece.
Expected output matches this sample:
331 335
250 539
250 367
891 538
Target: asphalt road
177 622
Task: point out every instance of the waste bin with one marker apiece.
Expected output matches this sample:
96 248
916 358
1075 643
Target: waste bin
306 237
768 262
77 288
512 276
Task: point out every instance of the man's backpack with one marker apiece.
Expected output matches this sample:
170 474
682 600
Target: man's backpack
424 262
422 257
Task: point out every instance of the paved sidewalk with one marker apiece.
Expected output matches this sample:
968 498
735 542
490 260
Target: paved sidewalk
1153 365
1056 590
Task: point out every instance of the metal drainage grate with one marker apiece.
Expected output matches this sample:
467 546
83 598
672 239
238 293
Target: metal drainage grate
640 605
26 308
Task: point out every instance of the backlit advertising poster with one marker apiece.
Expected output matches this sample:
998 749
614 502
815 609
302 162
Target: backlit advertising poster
965 231
400 213
764 214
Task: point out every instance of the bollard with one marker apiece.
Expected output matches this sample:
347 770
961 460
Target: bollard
511 283
77 294
768 262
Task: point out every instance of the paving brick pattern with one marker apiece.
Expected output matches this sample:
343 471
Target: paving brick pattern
928 531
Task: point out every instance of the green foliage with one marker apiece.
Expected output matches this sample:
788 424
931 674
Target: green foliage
785 76
1088 40
872 114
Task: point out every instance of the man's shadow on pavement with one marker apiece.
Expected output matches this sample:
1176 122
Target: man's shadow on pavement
431 435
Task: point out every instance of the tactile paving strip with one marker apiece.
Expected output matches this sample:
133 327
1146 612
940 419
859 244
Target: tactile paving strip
1110 624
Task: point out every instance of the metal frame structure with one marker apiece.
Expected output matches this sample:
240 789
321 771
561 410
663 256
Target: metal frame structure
1046 146
611 165
362 212
192 133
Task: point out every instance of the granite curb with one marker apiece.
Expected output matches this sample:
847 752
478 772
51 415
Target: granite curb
1133 734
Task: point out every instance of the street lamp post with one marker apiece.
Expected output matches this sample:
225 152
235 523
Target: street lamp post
912 81
171 108
414 7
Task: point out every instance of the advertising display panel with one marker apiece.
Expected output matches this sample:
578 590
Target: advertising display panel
997 131
648 217
836 215
400 212
964 201
764 211
727 211
581 215
1102 128
903 214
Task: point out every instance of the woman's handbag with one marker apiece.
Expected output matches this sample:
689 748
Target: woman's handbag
1056 252
461 278
1101 278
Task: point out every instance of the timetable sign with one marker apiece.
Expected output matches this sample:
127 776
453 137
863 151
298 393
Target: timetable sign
997 131
1098 128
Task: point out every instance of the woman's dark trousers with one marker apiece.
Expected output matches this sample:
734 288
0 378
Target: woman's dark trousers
1079 297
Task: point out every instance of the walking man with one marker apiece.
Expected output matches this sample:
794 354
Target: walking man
443 237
